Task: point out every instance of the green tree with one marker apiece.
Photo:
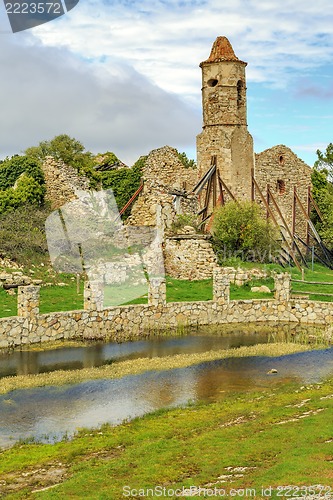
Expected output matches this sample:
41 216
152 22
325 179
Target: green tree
323 195
70 151
325 161
239 230
62 147
187 162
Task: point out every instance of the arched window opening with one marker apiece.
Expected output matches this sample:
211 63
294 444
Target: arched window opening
212 82
280 186
281 159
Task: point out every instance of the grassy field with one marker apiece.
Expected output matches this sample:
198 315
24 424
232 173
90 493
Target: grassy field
246 442
65 298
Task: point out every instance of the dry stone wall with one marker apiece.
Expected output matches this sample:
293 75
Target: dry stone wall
189 257
281 169
163 175
61 182
121 323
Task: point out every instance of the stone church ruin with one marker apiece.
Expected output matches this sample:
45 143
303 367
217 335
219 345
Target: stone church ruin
227 169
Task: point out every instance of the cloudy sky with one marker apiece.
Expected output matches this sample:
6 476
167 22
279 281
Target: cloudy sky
123 75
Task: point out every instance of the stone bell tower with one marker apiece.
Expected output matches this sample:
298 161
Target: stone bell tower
225 133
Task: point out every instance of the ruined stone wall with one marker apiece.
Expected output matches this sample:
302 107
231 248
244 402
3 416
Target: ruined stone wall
163 175
61 182
282 170
121 323
189 258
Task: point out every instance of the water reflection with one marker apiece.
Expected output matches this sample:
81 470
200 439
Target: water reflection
55 411
71 358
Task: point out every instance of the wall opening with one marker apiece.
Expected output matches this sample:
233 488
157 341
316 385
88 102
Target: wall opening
280 186
281 160
212 82
240 86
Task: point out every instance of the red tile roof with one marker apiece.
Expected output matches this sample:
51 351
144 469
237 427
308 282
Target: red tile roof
222 51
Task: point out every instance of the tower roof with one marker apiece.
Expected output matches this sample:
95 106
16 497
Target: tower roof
222 51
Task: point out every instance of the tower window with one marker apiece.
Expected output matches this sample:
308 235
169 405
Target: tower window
280 186
281 160
212 82
240 86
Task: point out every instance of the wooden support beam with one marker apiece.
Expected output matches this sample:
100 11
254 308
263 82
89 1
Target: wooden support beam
204 179
227 190
220 188
293 215
137 192
315 233
214 181
207 196
268 208
267 202
308 210
315 206
290 233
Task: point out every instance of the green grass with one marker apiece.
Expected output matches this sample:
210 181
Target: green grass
279 437
184 291
319 273
55 298
8 304
61 298
244 292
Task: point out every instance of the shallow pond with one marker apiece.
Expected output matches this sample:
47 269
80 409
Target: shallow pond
24 362
50 413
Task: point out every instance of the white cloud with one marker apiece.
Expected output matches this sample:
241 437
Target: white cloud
166 40
47 91
124 75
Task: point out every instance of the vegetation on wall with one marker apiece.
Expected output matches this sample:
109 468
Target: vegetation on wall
124 182
70 151
239 230
106 161
183 220
21 181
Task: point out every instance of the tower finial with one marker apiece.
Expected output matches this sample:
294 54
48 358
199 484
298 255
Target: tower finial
222 51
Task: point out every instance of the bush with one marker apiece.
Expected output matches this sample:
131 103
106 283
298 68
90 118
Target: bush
12 168
124 182
71 152
239 230
22 234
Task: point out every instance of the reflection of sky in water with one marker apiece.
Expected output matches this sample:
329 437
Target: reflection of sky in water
55 410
